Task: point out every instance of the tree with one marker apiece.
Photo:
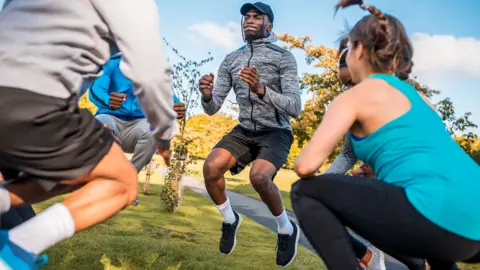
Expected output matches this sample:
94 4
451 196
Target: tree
458 125
325 86
205 131
186 76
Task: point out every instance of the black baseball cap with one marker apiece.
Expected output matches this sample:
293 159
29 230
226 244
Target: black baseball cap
261 7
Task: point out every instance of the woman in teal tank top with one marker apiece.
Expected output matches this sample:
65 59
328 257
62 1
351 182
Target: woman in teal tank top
424 201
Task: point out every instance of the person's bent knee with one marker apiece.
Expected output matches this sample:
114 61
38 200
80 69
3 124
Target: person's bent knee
261 182
213 169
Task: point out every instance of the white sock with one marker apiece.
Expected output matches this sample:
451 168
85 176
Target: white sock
284 226
5 202
227 212
45 230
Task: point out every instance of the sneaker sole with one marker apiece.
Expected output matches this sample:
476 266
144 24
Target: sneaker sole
235 236
296 247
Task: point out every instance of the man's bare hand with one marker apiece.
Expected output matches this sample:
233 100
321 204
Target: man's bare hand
180 109
116 100
250 76
206 86
364 170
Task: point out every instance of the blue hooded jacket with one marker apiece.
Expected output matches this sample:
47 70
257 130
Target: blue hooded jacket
113 80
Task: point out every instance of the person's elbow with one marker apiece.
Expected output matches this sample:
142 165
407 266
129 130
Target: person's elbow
296 108
208 108
304 169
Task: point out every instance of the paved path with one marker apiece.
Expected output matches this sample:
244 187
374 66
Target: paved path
258 211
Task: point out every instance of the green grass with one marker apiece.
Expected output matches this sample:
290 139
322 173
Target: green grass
145 237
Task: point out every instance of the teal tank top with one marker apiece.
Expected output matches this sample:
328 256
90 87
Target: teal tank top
416 152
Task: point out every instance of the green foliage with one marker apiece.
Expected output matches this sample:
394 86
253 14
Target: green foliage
458 125
171 193
294 152
205 131
186 76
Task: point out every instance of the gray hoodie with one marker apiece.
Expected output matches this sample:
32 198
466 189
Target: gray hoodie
57 48
277 69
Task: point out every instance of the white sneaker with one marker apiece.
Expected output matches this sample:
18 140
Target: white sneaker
377 262
136 202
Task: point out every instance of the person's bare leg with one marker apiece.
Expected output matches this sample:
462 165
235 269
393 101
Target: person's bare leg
109 188
214 168
29 192
261 176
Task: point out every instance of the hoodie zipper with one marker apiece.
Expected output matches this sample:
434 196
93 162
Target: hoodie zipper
249 92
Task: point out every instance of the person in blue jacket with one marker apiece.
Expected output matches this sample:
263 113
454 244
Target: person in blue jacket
119 111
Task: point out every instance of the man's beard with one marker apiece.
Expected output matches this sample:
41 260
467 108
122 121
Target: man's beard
250 36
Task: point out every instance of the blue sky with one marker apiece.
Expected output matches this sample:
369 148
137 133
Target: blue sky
445 35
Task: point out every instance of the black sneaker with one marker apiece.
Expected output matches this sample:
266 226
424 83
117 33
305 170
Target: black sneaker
287 246
229 235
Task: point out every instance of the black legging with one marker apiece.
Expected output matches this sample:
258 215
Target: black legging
411 263
16 216
380 212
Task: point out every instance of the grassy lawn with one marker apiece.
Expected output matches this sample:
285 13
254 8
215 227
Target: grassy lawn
144 237
240 183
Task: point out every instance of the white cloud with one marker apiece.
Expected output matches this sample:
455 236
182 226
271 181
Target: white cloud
228 36
439 54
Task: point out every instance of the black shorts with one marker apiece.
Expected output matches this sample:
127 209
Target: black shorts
245 145
47 138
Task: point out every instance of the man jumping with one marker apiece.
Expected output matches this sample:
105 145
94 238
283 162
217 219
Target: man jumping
265 80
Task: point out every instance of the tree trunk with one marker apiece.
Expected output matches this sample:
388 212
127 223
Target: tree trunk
146 185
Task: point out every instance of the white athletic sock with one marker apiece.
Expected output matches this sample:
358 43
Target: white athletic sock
284 226
44 230
5 202
227 212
